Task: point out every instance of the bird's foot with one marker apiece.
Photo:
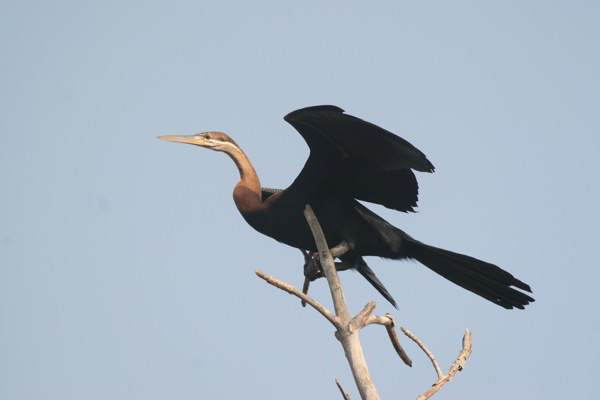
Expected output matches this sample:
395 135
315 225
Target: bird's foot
312 271
312 267
307 259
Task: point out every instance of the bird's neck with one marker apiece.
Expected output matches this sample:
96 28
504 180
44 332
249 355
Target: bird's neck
247 195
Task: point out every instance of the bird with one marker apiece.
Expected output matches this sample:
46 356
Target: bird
350 160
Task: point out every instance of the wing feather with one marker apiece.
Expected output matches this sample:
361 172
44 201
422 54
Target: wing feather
356 138
352 156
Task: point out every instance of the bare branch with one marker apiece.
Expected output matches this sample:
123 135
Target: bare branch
344 394
464 354
396 342
418 341
390 326
360 320
348 329
340 249
327 264
457 365
377 320
350 340
292 290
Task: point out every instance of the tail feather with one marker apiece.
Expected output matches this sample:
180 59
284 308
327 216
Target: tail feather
367 273
484 279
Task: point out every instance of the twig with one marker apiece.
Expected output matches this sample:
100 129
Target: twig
344 394
396 342
457 365
390 326
292 290
418 341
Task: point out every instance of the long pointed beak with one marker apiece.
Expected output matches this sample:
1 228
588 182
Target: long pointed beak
192 139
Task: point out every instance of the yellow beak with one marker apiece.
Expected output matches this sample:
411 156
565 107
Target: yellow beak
192 139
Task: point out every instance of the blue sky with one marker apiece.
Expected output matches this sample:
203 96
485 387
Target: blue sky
127 272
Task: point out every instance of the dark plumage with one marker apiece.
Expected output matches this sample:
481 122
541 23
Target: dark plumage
351 159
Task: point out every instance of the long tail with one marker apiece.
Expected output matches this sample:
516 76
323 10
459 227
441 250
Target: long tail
482 278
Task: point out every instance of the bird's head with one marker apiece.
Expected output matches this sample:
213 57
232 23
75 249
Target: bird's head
217 141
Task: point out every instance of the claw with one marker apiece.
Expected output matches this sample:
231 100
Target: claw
312 269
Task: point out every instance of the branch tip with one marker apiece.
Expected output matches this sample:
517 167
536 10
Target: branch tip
292 290
457 365
344 394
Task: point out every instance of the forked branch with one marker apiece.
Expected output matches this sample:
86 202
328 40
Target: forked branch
357 322
390 326
348 329
457 365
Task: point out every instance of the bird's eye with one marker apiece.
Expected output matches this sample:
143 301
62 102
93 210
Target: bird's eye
207 136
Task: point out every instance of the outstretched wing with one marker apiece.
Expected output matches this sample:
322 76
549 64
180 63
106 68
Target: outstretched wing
352 156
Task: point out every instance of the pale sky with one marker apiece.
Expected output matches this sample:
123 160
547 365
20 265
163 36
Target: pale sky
126 271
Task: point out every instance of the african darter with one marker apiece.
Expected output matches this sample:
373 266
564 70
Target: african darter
351 159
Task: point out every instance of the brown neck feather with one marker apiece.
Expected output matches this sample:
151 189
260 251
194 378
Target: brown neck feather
247 194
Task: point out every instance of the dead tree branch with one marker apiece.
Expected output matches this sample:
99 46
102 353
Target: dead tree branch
386 320
457 365
390 326
307 299
348 329
429 354
349 339
345 395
